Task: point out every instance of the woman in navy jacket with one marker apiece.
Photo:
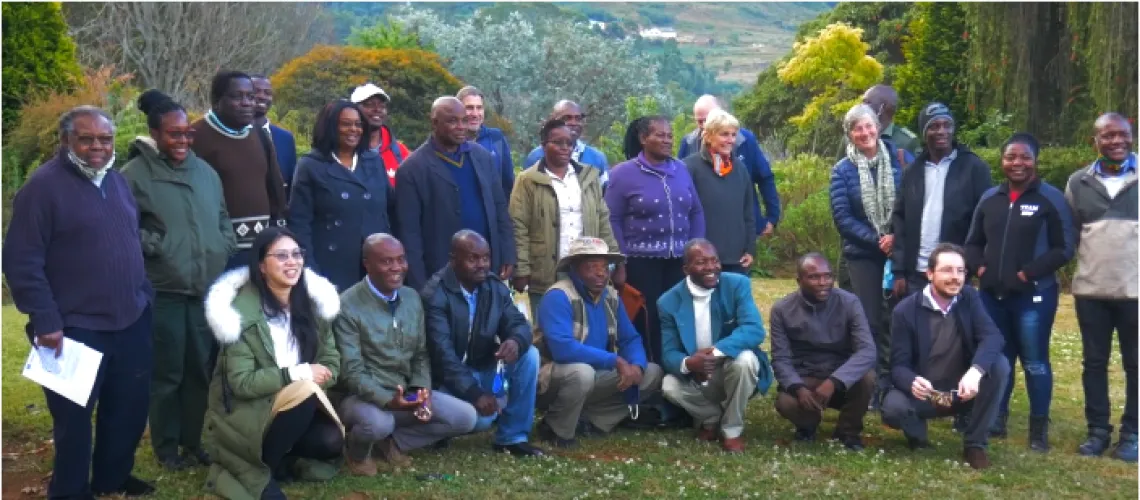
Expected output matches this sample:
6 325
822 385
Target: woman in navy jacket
864 185
1022 233
341 195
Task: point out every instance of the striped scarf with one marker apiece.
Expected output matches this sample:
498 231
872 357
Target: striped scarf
877 189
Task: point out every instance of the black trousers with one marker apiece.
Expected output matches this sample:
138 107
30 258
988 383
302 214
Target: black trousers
122 393
1097 320
867 284
652 277
304 431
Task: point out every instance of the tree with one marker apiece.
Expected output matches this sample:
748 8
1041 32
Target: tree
934 66
178 46
39 57
835 67
524 67
389 35
413 78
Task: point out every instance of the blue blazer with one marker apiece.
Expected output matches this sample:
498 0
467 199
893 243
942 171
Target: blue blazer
736 325
286 148
334 209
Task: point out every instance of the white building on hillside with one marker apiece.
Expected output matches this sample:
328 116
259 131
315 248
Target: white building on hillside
655 33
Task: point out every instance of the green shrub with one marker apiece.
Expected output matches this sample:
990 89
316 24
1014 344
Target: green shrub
806 224
39 57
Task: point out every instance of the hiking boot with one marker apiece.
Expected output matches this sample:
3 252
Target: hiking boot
999 429
1097 442
391 453
1039 434
707 434
358 458
736 445
1125 448
547 434
977 458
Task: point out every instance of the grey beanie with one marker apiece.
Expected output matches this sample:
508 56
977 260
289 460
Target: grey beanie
930 112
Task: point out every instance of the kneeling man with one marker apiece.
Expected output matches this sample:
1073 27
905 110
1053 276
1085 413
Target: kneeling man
593 361
711 333
946 358
385 371
480 344
823 354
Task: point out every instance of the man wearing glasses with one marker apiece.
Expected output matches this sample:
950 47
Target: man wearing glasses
77 203
575 118
946 358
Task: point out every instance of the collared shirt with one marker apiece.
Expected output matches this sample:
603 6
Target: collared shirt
931 229
376 291
1114 183
266 126
352 167
928 295
569 194
1128 165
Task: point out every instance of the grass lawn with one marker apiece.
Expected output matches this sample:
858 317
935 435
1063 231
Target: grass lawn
672 464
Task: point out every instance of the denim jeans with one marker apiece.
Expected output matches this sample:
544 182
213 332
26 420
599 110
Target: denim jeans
1026 322
517 410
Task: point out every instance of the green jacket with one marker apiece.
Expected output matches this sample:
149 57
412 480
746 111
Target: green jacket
185 231
246 382
534 212
381 348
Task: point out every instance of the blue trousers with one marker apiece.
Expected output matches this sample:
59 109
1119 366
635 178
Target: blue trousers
1026 322
122 392
517 415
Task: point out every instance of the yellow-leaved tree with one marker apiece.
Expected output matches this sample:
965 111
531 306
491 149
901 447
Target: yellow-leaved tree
835 68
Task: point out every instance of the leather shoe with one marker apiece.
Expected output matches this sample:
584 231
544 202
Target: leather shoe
734 445
709 435
547 434
522 449
132 487
977 458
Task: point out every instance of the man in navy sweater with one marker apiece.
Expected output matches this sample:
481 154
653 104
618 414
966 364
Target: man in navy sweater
492 139
74 265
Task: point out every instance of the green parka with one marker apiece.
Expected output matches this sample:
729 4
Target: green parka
247 379
186 233
534 212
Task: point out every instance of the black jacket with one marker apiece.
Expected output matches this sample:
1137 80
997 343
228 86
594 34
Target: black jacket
911 336
967 179
427 210
332 210
1034 234
496 321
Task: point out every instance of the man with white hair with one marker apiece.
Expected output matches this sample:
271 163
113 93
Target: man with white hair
745 150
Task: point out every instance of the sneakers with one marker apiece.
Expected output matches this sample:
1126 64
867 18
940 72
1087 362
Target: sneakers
132 487
977 458
392 454
1096 443
1039 434
1125 448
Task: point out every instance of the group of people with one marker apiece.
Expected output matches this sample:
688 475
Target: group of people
272 316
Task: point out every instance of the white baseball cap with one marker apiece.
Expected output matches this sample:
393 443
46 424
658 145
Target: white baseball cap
367 91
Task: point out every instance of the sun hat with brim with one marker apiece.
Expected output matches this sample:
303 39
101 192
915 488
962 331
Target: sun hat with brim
588 247
367 91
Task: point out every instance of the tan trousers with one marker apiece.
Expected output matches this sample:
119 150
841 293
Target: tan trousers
577 390
723 400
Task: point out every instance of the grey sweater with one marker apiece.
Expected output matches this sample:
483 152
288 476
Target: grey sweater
730 223
830 339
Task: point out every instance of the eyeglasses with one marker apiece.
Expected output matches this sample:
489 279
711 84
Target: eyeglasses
90 140
283 256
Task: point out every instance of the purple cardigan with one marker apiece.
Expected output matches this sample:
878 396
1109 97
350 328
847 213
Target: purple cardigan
654 210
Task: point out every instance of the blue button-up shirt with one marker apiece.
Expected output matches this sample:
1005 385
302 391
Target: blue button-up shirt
1129 165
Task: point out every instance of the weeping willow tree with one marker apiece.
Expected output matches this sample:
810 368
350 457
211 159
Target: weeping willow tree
1053 69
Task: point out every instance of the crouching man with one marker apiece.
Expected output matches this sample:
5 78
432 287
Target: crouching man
711 333
823 354
385 371
593 362
946 358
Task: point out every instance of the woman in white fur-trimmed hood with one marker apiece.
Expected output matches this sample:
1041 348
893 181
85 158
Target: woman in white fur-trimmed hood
268 416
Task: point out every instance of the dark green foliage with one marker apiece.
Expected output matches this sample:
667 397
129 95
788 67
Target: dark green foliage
39 56
933 70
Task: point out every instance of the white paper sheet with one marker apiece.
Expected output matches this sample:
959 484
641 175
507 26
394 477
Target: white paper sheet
78 367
